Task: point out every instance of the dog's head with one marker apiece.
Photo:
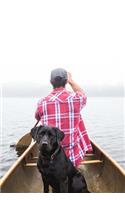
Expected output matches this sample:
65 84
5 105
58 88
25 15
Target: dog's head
47 137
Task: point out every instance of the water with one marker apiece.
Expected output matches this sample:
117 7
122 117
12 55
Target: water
103 118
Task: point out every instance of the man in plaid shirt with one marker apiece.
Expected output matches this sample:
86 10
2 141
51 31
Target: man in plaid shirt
61 109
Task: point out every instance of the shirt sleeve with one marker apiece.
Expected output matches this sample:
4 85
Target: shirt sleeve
39 110
81 97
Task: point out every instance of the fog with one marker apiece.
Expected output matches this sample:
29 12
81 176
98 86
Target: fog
36 90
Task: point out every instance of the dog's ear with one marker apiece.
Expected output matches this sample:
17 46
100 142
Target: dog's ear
34 132
60 134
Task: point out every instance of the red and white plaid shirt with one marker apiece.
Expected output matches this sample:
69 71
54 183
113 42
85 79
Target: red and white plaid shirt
61 109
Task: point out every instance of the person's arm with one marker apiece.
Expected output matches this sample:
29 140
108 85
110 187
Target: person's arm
38 112
74 85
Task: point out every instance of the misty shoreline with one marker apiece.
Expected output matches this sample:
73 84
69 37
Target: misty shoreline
29 90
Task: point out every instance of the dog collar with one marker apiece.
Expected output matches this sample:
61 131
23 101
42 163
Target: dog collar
54 154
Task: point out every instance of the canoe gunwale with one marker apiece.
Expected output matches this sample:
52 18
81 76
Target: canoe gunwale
103 152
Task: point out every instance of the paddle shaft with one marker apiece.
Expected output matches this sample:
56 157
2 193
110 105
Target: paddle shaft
36 123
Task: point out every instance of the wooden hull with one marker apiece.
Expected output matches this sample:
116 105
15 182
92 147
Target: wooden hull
102 173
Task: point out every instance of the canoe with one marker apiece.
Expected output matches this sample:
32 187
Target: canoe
102 173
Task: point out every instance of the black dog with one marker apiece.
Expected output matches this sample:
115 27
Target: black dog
56 169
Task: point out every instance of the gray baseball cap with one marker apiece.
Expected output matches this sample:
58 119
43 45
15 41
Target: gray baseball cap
59 72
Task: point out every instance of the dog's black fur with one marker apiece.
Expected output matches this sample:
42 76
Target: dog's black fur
56 169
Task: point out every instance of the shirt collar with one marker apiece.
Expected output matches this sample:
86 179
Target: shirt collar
58 89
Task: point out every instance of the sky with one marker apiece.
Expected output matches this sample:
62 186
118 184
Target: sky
84 37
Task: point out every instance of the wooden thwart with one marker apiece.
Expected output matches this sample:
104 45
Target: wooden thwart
34 158
30 165
83 163
89 154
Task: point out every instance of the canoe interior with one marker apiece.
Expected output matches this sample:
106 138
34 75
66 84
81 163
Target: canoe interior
105 176
21 179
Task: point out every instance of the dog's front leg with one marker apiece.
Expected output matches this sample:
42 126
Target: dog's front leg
64 186
46 185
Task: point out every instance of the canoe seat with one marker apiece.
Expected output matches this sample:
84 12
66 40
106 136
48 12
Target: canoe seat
84 162
30 165
89 154
35 158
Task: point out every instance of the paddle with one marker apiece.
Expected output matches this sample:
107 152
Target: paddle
25 140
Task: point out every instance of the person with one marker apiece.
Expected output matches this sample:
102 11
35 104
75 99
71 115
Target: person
62 109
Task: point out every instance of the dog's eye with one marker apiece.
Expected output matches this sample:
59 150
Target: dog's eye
40 136
51 134
42 133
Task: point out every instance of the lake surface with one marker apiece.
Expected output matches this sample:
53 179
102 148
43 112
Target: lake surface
103 117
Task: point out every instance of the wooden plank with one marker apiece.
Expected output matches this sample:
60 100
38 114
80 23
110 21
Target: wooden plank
34 158
85 162
30 165
89 154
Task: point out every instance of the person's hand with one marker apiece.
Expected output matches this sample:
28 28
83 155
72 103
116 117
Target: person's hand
70 80
73 84
37 116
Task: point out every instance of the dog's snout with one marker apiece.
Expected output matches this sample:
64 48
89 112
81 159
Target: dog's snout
44 142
